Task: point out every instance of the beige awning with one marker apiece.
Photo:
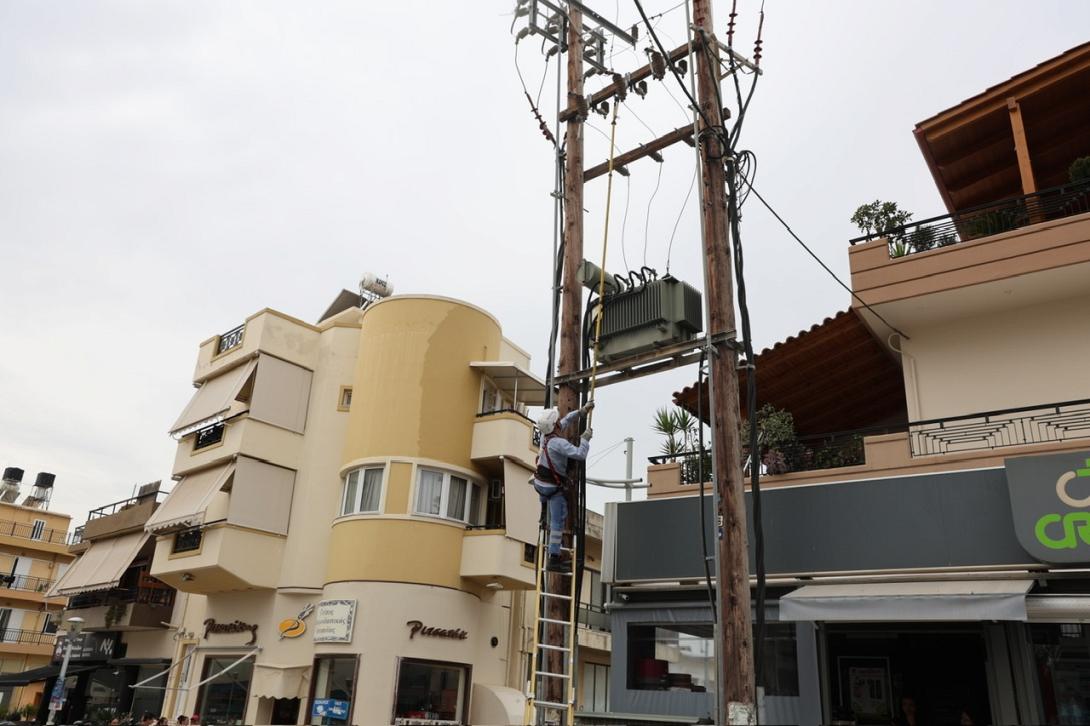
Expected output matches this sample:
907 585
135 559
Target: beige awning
185 505
270 681
948 600
522 504
213 399
517 382
101 565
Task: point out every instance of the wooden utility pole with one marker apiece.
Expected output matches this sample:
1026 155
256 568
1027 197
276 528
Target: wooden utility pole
735 646
571 324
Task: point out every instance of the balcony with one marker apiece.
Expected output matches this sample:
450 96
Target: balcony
505 434
246 436
123 516
222 560
267 331
488 556
26 642
26 583
954 442
1027 245
21 534
133 608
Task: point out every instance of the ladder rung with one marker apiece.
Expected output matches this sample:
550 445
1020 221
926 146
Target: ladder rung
554 647
552 675
555 622
559 597
549 704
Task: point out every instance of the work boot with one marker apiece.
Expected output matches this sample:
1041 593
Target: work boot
558 563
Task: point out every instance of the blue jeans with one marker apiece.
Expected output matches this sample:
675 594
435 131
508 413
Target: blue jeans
553 498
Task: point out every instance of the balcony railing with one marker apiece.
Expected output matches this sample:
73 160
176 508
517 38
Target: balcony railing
29 583
33 532
26 637
1022 426
593 617
156 596
986 219
77 536
231 339
115 507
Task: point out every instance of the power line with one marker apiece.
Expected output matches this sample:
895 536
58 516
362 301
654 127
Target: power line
670 247
647 217
822 263
624 221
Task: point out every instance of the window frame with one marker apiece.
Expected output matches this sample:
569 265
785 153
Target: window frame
470 517
175 550
344 393
311 693
358 498
467 686
37 529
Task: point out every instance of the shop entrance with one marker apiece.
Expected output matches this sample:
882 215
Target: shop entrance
877 672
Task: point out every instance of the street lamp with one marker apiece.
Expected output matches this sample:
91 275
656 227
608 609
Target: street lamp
57 699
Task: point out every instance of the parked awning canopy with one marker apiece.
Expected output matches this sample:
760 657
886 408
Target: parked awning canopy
187 502
35 675
957 600
280 681
518 383
101 566
213 399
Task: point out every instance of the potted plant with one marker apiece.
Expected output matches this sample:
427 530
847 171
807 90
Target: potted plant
1079 169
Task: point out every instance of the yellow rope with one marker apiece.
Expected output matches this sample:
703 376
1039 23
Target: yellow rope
602 268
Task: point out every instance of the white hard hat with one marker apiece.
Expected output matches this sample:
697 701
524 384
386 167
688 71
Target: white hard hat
546 422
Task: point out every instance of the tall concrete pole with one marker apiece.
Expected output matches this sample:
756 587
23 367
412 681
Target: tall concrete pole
628 468
735 646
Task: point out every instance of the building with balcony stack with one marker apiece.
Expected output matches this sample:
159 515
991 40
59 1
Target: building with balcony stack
33 554
128 628
926 459
352 501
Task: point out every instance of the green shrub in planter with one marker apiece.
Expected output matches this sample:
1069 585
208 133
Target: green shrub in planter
1080 169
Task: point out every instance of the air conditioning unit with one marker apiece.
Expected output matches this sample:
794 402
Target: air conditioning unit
650 316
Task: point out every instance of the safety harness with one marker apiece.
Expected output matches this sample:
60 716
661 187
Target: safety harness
548 472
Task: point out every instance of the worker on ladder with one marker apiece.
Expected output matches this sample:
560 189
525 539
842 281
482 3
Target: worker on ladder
551 477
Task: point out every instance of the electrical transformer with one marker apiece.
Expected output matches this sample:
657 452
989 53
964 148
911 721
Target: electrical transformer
648 316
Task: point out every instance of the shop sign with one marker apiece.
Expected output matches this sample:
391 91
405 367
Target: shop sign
211 627
330 708
294 627
416 626
86 646
333 621
1050 503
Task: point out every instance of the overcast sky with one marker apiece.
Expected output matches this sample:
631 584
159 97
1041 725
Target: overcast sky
168 168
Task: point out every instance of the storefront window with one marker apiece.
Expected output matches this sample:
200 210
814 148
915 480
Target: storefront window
676 656
223 699
1062 653
430 692
781 660
149 697
103 694
334 680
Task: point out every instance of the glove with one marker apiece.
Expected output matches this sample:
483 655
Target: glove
587 434
587 408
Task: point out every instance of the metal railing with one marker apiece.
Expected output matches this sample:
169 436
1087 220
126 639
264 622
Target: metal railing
1021 426
986 219
29 583
156 596
115 507
231 339
77 535
26 637
593 617
33 532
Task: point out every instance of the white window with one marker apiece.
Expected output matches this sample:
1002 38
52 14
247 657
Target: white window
595 687
450 496
37 528
362 490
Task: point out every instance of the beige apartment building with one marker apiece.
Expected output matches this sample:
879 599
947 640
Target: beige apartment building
352 522
33 554
927 524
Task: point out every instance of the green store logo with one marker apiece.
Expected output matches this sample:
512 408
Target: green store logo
1070 527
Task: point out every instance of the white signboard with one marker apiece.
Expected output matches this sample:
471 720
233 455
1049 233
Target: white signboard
333 621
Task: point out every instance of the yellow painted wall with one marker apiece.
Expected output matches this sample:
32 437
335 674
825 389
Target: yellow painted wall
398 486
414 393
395 550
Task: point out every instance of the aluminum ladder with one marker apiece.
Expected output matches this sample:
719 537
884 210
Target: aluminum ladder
537 709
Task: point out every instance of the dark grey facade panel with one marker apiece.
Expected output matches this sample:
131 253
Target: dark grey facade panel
952 519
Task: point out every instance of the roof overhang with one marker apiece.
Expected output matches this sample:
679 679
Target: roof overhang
514 380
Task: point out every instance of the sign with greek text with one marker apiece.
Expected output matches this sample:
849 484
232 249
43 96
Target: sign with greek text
334 620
